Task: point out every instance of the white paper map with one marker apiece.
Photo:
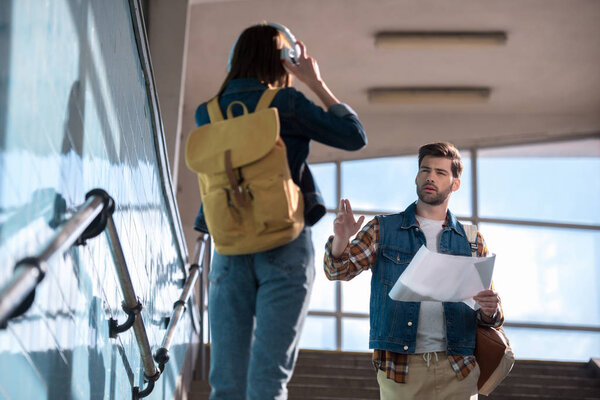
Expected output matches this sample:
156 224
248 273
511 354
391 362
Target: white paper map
442 277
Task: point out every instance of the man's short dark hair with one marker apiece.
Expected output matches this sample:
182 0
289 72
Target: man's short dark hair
444 150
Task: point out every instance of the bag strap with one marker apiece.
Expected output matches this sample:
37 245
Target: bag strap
236 188
214 111
266 99
471 231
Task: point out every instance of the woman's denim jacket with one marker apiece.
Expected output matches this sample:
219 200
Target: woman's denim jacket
300 122
394 323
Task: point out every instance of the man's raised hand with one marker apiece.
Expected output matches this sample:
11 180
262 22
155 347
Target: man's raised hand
344 227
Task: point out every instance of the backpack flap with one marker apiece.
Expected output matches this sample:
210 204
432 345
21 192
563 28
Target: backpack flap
206 145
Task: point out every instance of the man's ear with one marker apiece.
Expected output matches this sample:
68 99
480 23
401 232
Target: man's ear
455 184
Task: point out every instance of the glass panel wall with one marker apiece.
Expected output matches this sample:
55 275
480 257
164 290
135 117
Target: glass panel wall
323 293
321 333
546 275
385 184
325 176
554 182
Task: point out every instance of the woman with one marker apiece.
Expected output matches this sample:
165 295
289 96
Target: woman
258 302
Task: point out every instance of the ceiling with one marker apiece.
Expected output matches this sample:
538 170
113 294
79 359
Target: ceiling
544 80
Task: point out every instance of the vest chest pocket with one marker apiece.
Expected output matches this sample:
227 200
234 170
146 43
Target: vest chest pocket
394 263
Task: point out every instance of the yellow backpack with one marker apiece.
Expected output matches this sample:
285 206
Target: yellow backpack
250 201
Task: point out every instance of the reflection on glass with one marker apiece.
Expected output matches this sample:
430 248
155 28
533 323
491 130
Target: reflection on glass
355 335
546 274
323 293
388 184
538 344
318 333
547 182
92 128
325 176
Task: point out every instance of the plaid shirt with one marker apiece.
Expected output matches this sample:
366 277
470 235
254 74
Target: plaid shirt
361 255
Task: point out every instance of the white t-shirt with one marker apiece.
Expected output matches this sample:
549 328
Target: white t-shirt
431 331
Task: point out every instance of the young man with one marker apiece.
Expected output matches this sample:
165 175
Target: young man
423 350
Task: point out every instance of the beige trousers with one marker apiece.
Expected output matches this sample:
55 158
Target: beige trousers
436 381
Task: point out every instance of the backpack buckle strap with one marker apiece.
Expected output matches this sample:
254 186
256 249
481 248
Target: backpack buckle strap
236 188
234 211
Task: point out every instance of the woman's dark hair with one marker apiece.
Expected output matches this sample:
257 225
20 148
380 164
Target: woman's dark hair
257 54
443 150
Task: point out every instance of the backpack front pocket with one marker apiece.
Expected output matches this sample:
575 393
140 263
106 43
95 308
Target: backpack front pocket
224 221
276 203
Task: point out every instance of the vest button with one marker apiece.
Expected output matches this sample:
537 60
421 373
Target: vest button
405 347
409 323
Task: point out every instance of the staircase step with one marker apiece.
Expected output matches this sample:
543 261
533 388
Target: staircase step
555 390
332 375
312 391
550 380
335 381
495 396
329 370
528 367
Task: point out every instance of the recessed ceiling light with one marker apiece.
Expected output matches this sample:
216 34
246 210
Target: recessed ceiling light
404 39
411 95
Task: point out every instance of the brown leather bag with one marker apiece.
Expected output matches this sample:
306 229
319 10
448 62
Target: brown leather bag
494 356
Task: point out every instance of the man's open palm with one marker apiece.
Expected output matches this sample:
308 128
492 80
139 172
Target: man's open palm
345 226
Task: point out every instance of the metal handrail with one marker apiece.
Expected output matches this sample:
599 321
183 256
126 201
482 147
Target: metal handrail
204 292
132 306
17 295
93 218
161 356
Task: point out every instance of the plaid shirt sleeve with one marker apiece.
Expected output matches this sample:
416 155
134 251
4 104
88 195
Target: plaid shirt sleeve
359 255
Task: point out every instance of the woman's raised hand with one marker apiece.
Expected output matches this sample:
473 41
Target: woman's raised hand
307 68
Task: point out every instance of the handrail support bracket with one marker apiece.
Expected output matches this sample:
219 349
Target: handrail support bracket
132 312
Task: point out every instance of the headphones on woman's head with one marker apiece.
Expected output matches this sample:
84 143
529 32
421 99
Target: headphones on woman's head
287 53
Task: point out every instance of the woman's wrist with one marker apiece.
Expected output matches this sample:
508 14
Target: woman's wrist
317 84
324 94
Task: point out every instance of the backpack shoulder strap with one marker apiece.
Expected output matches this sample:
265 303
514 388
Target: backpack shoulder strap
471 231
266 99
214 111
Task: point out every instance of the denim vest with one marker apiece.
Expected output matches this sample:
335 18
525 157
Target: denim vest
394 323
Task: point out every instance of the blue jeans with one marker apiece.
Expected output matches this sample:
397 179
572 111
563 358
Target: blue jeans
257 304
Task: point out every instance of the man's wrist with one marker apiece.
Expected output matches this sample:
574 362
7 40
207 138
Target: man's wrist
489 318
495 320
338 252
